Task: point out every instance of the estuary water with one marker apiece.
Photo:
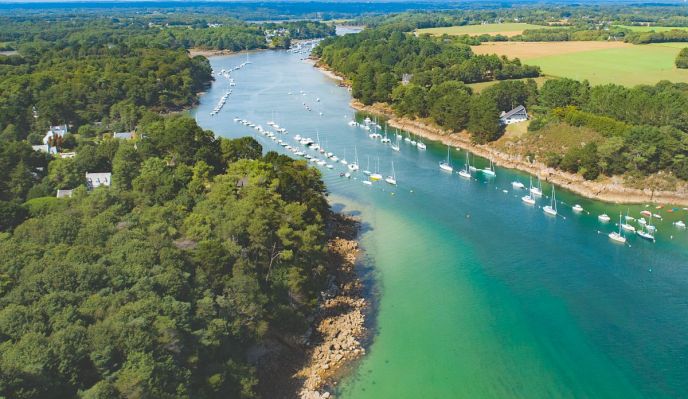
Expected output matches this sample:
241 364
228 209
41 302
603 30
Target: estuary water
480 295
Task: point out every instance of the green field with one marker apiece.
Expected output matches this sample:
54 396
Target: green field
642 64
478 87
651 28
507 29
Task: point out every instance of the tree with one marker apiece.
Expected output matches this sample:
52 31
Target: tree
452 110
682 58
484 123
64 173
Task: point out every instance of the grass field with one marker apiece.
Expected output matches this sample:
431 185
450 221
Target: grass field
651 28
506 29
478 87
598 62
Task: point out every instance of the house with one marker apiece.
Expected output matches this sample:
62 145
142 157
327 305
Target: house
406 78
94 180
516 115
64 193
67 154
55 131
44 148
123 135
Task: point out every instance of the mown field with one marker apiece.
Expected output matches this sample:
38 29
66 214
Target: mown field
598 62
506 29
478 87
651 28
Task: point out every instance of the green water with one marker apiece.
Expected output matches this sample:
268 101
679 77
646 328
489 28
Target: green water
478 295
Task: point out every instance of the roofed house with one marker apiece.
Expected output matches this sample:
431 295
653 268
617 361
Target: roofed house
55 131
516 115
123 135
64 193
94 180
44 148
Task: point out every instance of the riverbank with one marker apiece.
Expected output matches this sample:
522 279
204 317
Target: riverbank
310 366
609 189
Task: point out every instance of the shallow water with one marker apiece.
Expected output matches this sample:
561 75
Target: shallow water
481 296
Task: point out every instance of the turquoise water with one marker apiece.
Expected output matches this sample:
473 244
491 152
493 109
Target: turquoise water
480 296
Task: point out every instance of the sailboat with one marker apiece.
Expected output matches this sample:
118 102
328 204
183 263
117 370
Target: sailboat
644 232
604 218
343 161
407 138
627 226
528 199
489 171
618 237
446 165
517 184
412 142
551 209
353 166
393 178
367 169
465 172
376 176
420 144
395 146
385 139
536 191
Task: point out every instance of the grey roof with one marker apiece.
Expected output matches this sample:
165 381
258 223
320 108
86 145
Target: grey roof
98 179
64 193
514 111
123 135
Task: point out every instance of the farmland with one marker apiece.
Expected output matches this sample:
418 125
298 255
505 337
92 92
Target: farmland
651 28
598 62
505 29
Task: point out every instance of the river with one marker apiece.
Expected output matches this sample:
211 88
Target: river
479 295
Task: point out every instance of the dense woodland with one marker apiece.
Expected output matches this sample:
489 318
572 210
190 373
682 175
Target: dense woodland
201 248
642 130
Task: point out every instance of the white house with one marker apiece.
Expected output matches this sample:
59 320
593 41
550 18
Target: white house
67 154
60 130
94 180
516 115
123 135
44 148
64 193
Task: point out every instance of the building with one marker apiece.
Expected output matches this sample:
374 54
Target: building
406 78
67 154
94 180
64 193
516 115
44 148
123 135
55 131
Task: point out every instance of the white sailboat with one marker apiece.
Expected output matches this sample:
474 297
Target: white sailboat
528 199
421 145
604 218
353 166
465 172
626 226
644 233
446 165
392 179
367 171
577 208
536 191
489 171
518 185
551 209
395 146
618 237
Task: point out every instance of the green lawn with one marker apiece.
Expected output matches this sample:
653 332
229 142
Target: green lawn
651 28
478 87
641 64
507 29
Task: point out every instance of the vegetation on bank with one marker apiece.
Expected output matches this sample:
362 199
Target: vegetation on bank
642 130
159 285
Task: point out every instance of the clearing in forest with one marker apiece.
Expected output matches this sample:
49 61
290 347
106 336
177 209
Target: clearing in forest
598 62
506 29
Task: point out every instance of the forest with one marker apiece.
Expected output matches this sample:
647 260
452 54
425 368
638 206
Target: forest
159 285
200 249
643 130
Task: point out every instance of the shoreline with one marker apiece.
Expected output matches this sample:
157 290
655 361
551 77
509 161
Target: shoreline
610 190
309 366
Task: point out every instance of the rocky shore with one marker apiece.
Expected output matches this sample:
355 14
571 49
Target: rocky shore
309 366
339 324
